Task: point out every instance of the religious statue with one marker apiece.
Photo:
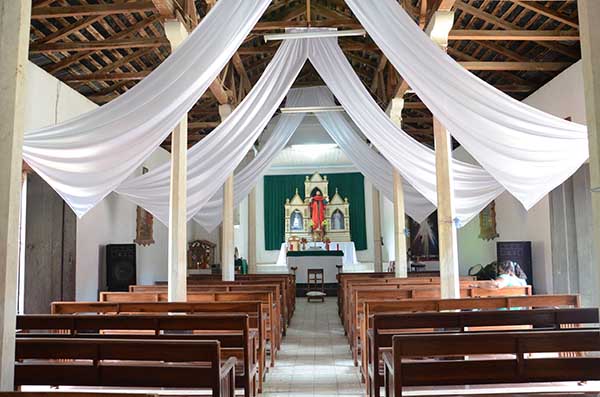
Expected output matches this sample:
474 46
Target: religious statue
317 211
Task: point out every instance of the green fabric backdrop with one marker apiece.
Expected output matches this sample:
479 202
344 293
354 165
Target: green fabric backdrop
280 187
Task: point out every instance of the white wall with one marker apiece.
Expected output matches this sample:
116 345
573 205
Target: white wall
50 101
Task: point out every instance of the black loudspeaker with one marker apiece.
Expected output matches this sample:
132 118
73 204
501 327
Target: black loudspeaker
517 251
120 266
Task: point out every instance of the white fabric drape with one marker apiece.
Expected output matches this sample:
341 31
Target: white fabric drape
474 188
211 214
370 163
84 159
528 151
213 159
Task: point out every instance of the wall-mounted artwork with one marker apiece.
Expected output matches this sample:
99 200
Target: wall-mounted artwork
487 222
424 238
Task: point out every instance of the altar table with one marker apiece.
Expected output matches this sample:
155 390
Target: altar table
347 247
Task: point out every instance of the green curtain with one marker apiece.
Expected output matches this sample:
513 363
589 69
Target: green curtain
277 188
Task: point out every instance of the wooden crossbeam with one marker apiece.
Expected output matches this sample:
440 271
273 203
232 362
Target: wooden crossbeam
516 66
130 76
198 125
96 9
501 23
548 12
515 35
280 25
165 8
97 45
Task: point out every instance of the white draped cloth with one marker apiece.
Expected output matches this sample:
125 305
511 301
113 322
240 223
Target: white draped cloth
211 161
474 188
86 158
528 151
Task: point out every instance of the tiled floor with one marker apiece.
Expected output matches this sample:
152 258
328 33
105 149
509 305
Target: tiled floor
315 359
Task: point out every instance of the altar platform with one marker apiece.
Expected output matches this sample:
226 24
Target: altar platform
349 259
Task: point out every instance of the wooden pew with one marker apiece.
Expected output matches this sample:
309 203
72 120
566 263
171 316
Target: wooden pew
233 286
350 282
288 283
362 294
273 330
400 372
231 330
372 308
124 363
385 326
68 394
254 309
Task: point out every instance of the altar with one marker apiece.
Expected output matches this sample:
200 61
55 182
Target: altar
347 247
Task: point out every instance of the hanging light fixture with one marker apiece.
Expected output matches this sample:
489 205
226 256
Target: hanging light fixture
312 34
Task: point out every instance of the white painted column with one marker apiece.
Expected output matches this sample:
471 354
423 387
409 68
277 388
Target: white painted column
401 268
438 29
14 47
589 15
177 278
377 257
227 242
252 232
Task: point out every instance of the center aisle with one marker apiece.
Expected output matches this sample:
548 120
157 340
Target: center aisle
315 359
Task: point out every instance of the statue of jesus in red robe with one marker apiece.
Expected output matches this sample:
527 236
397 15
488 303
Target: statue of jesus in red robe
317 211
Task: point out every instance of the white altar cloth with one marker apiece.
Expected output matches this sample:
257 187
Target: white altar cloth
348 248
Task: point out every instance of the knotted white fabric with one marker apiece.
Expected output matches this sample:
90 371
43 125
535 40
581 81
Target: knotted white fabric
474 188
86 158
213 159
528 151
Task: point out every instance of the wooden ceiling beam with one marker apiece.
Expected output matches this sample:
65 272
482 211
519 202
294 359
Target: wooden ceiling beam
166 8
514 35
67 30
130 76
548 12
203 124
96 9
75 46
281 25
516 66
501 23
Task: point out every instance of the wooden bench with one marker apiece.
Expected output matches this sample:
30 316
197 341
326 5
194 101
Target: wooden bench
273 330
231 330
287 282
68 394
361 295
372 308
229 287
143 363
255 311
349 283
402 370
385 326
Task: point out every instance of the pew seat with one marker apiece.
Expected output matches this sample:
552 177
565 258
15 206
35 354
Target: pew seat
385 326
142 363
230 329
493 358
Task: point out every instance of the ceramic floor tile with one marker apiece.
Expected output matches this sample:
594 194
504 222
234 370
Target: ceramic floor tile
315 359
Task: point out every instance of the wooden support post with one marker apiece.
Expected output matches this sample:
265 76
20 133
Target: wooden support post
377 259
14 45
401 260
252 232
177 278
227 242
589 15
439 28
